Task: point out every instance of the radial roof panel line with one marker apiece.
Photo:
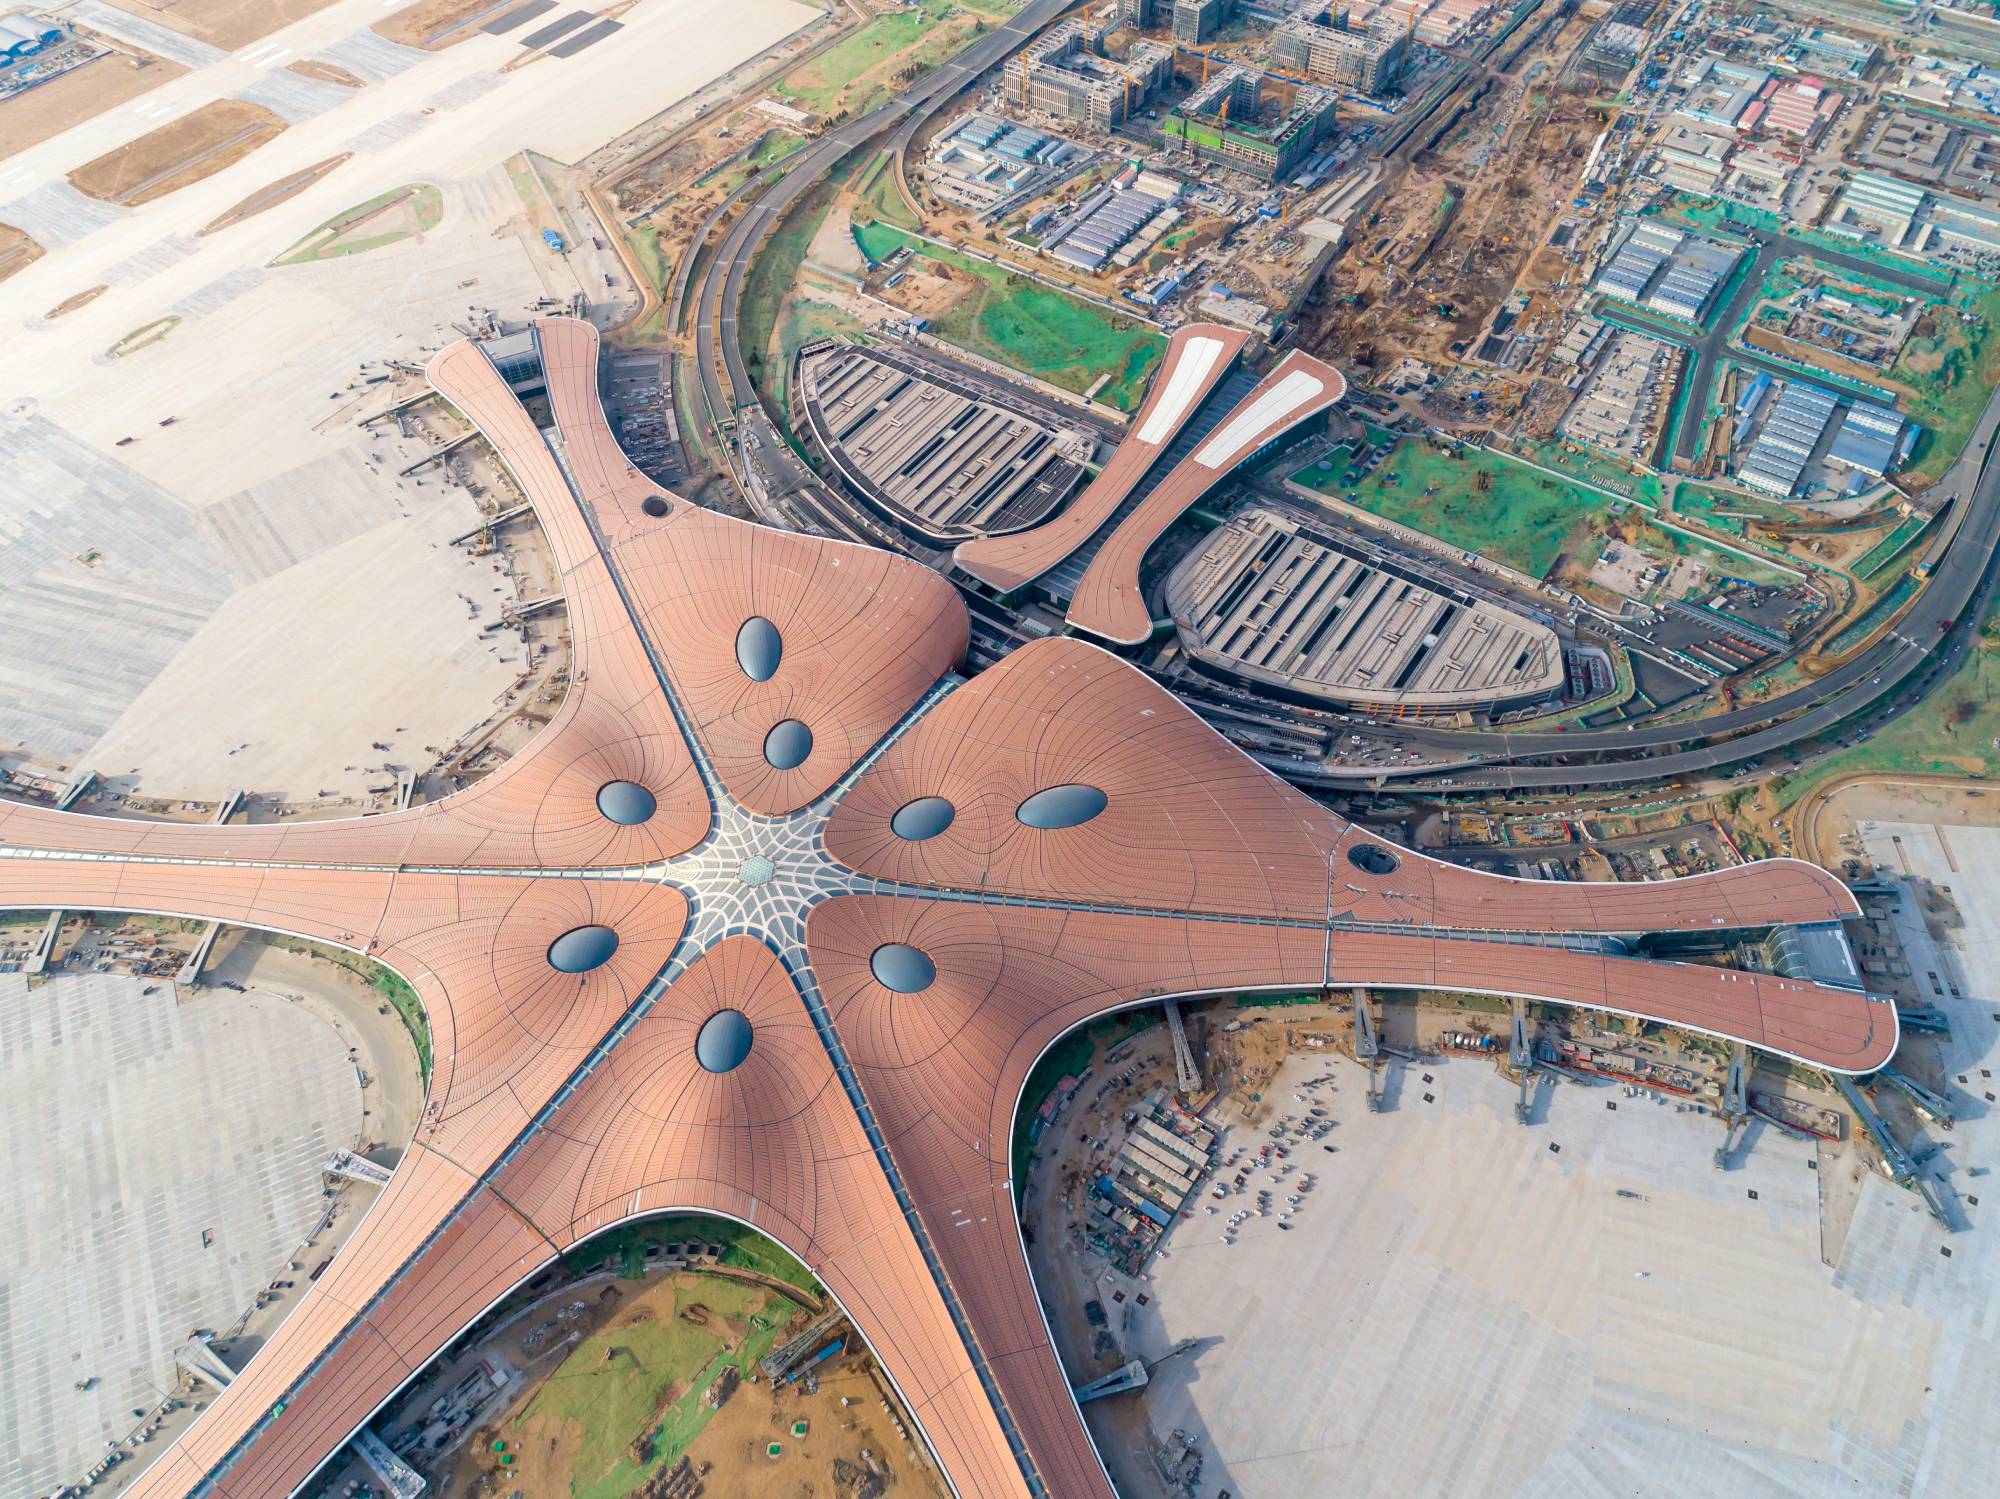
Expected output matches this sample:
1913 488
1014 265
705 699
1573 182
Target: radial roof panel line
1057 837
1109 602
1197 358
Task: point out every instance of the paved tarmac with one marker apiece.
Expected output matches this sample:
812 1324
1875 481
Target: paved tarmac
162 1165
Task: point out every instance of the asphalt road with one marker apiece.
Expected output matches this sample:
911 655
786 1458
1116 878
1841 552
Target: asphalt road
1959 577
725 379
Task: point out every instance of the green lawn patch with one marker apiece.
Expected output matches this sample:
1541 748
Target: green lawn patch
611 1387
775 146
1047 333
412 209
863 70
410 1010
1885 551
878 241
1481 504
1951 732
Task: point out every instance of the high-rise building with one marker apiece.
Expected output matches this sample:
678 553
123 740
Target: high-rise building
1364 60
1066 73
1142 13
1195 21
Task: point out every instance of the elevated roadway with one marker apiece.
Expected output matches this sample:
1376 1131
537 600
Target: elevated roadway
726 383
1958 587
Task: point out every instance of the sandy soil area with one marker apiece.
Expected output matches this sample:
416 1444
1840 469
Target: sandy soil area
414 26
275 193
195 146
17 251
104 83
227 24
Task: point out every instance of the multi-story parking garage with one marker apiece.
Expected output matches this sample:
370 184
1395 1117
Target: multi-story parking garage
931 450
1268 599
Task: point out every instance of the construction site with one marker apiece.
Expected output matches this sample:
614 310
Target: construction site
1467 222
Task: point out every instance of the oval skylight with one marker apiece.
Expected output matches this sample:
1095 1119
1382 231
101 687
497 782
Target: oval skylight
723 1041
583 948
1061 806
898 966
625 802
1373 858
759 648
923 818
788 744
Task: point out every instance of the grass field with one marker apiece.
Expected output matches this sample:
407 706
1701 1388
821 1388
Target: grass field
1522 519
1951 732
613 1387
861 71
775 146
1035 328
1949 376
414 208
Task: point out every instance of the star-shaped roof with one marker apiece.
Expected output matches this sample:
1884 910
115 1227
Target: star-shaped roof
775 916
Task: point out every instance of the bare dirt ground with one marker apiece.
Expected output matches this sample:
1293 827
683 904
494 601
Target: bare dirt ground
275 193
82 93
70 304
325 72
17 251
176 155
1464 227
417 25
225 23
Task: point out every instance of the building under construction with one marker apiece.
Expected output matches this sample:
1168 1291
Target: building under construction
1223 122
1068 74
1366 60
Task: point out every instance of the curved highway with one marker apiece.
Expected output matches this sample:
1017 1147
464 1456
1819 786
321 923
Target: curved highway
1945 609
722 284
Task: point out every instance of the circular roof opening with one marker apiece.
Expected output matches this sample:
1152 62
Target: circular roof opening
625 802
923 818
723 1041
788 744
653 505
583 948
1373 858
901 967
759 648
1061 807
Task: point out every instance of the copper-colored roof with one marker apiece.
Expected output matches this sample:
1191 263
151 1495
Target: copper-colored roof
1197 357
866 1129
1109 602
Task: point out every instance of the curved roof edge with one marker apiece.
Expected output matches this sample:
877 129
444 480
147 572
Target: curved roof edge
1197 358
1108 602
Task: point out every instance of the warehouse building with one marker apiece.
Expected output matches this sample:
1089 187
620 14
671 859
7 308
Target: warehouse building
931 450
1068 74
1271 599
1105 222
1790 435
1660 268
1872 439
